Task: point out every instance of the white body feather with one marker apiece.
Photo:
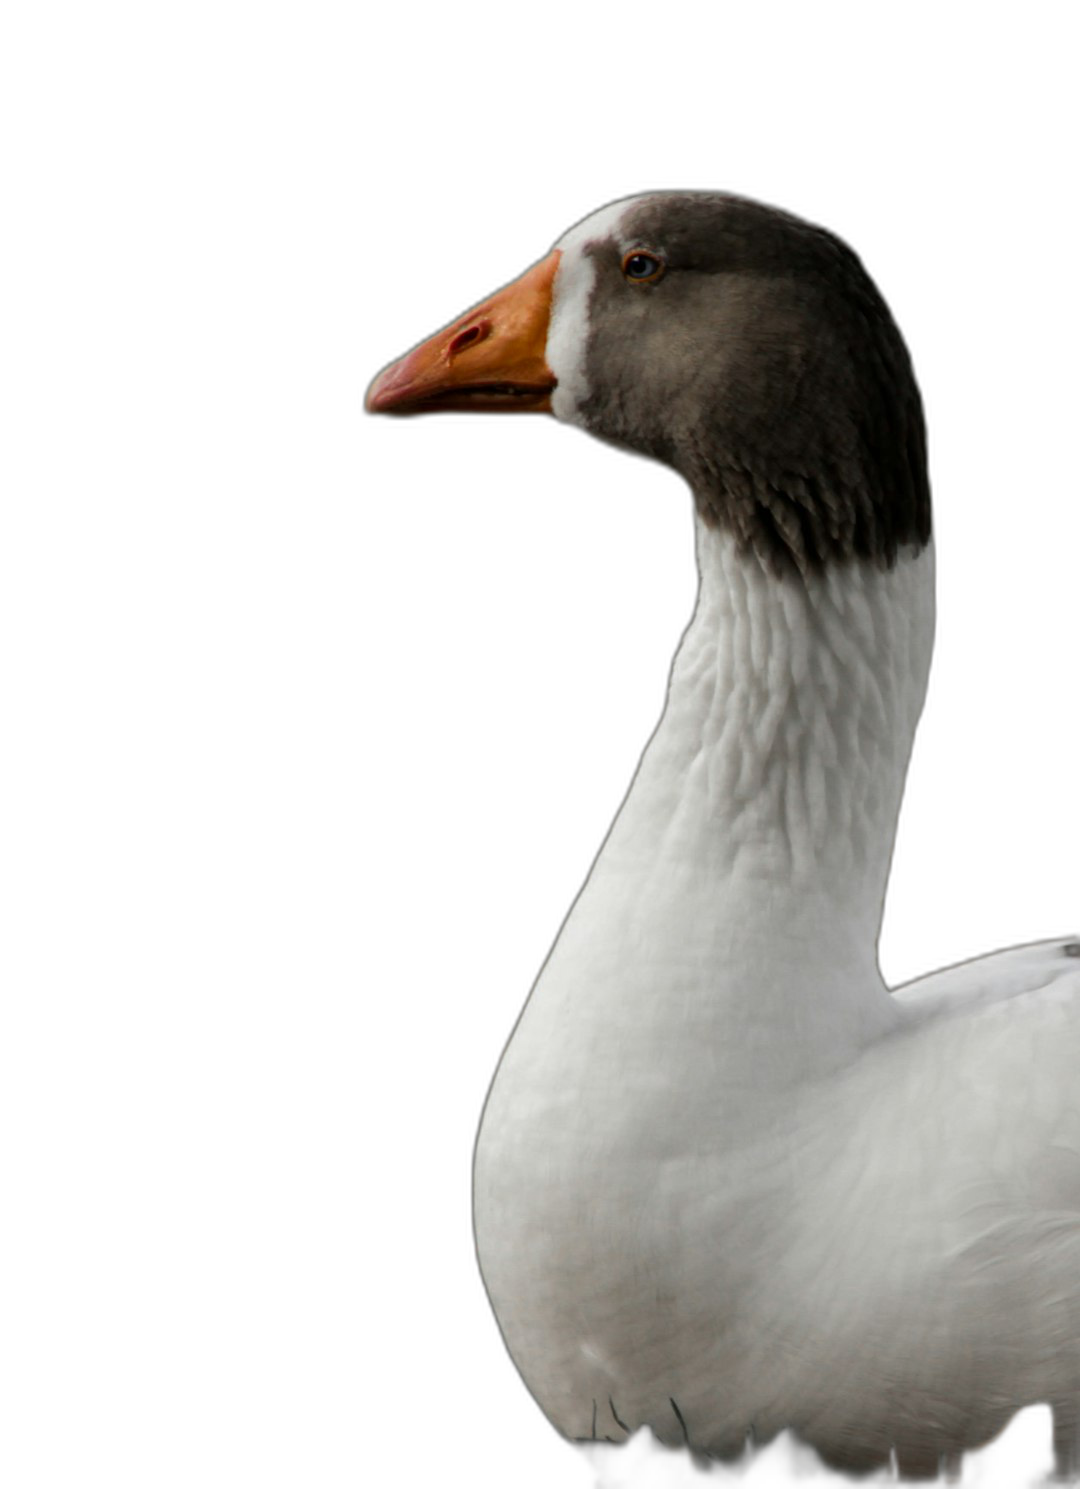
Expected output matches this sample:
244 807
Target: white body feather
727 1183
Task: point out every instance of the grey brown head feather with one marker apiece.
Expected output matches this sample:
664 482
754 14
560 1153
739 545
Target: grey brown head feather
766 368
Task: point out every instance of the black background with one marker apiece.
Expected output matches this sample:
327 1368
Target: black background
525 591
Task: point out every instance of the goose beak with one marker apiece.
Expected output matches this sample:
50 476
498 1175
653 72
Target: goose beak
492 358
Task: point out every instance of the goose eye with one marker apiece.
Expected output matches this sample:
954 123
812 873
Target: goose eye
644 268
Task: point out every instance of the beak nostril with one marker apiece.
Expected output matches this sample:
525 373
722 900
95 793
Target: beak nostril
478 331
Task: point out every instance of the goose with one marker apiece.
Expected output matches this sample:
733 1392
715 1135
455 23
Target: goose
726 1181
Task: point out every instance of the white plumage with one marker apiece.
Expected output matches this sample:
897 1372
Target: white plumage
859 1212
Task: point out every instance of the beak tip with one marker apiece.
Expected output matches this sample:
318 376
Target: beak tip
379 397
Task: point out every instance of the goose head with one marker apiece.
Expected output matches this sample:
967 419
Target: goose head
740 345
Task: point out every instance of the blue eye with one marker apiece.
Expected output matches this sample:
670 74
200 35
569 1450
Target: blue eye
644 268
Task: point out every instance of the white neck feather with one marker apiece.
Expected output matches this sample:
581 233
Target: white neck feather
742 882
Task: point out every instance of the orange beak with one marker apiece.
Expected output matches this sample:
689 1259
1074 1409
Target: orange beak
490 358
